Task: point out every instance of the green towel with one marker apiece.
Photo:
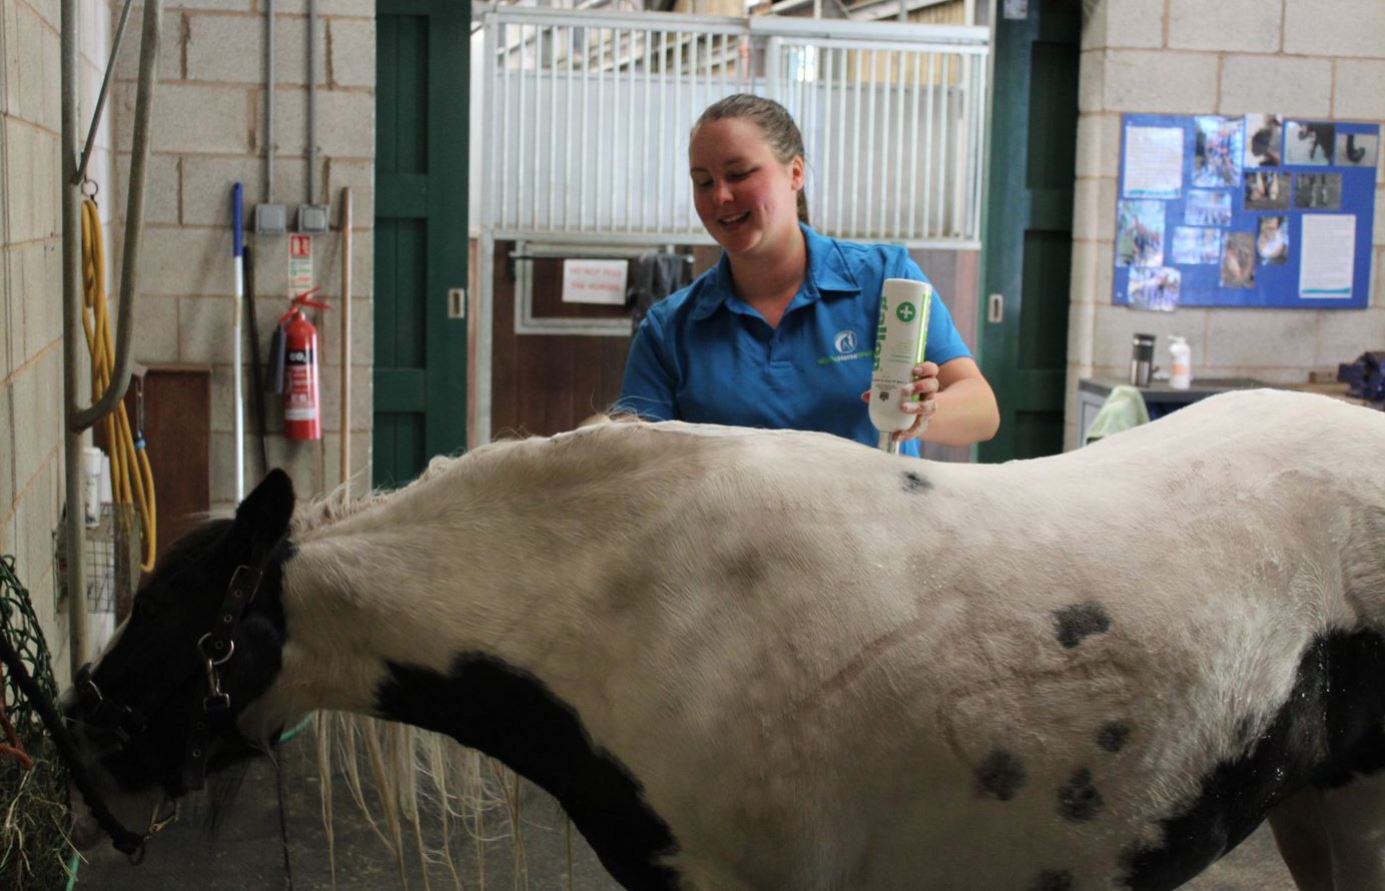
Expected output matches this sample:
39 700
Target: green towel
1123 409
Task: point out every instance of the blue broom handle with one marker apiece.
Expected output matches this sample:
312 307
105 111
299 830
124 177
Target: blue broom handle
238 218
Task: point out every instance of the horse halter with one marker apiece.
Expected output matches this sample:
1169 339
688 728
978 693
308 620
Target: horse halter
215 648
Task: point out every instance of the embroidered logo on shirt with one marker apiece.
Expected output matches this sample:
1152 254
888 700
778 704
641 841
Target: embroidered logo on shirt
844 343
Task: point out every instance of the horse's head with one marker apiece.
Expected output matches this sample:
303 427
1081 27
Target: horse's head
204 639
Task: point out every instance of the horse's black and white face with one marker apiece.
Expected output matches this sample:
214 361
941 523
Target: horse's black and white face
137 710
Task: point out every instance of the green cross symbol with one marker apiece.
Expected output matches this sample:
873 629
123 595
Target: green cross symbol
905 312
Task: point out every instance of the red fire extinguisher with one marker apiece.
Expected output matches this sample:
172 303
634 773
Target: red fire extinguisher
302 417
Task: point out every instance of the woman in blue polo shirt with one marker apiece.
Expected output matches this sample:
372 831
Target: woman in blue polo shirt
781 332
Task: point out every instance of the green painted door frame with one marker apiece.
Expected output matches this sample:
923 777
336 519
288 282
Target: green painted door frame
1027 255
423 81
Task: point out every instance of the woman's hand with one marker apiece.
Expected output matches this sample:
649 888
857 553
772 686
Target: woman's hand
969 413
925 388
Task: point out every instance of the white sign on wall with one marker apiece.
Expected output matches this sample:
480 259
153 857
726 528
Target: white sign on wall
595 281
300 264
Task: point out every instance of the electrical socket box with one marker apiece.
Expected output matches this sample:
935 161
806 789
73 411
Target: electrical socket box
312 217
271 219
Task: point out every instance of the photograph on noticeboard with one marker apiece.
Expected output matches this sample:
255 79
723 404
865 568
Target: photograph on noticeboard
1219 148
1155 288
1272 242
1139 233
1264 140
1266 190
1357 149
1193 246
1318 191
1238 260
1207 207
1310 143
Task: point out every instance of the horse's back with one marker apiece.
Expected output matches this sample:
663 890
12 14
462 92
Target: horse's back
1106 643
1075 669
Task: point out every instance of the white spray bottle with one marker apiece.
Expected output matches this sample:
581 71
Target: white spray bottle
1181 363
900 336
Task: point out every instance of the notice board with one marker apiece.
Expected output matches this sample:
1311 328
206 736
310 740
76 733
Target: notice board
1245 211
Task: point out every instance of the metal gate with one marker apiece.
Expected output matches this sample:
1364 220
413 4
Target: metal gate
587 116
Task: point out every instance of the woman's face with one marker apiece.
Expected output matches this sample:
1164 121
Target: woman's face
745 196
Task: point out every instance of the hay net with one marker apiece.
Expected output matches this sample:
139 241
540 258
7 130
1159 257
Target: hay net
34 846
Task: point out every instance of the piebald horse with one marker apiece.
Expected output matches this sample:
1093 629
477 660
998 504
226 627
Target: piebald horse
777 660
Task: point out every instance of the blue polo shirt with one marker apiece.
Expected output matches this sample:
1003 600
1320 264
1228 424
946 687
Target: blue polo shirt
704 355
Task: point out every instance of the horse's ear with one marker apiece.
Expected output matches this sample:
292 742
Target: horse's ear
263 517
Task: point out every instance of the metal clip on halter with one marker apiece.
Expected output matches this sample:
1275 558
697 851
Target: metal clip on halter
215 699
158 823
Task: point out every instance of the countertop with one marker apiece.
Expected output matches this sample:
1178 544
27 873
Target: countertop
1161 392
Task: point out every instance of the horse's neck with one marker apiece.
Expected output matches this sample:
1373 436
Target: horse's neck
512 567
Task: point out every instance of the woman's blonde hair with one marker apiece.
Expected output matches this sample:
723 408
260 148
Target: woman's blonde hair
780 132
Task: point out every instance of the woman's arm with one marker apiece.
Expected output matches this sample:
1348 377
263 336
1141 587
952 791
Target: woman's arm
647 390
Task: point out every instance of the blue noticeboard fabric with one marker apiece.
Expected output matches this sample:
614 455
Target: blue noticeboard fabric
1229 231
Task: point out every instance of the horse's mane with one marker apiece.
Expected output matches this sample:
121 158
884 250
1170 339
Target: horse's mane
314 514
339 504
327 509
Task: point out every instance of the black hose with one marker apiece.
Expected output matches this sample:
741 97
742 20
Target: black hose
126 842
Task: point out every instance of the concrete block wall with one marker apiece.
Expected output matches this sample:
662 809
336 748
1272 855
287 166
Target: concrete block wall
1305 58
210 131
31 423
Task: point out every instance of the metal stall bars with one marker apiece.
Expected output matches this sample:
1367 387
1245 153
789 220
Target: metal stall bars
584 134
894 128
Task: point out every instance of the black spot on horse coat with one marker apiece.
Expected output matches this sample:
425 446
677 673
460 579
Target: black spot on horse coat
1080 621
915 483
1079 800
1113 736
1000 776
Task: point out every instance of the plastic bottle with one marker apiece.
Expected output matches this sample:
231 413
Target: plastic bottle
1181 366
900 336
91 485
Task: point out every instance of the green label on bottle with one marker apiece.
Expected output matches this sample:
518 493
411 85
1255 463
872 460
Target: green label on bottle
880 332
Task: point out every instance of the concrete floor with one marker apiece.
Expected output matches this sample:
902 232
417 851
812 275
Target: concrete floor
272 838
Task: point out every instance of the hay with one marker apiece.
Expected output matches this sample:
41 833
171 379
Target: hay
34 846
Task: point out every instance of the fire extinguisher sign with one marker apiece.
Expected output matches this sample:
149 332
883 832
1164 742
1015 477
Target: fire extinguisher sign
300 263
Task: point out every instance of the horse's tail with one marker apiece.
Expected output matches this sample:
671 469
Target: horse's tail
423 796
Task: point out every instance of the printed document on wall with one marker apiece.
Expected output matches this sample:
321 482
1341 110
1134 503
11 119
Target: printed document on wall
1328 256
1153 162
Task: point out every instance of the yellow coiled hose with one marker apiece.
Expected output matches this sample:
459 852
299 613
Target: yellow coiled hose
132 480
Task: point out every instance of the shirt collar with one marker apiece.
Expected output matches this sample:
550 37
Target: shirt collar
828 275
